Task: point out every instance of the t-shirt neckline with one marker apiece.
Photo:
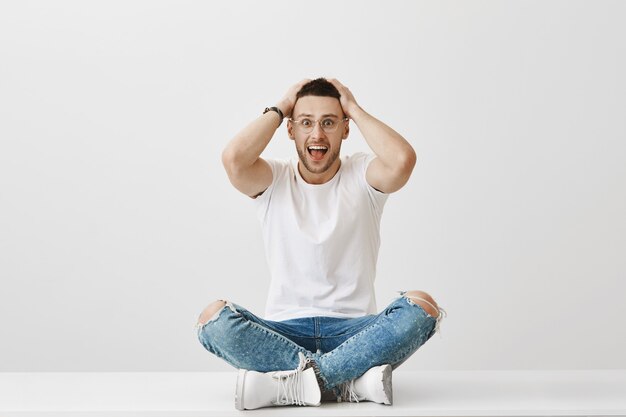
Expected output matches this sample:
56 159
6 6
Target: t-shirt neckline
294 165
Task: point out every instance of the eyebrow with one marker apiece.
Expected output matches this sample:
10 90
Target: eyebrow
310 115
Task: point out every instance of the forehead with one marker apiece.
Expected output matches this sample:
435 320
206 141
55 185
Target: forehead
317 106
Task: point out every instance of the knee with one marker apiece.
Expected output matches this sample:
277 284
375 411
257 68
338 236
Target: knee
210 311
424 300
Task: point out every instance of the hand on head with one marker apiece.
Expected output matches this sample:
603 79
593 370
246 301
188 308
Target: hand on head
347 100
287 103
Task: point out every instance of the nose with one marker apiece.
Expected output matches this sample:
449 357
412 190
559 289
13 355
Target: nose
317 131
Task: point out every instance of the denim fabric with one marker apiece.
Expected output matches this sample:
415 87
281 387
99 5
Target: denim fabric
341 349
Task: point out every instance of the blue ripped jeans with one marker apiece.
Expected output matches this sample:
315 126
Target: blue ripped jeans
341 349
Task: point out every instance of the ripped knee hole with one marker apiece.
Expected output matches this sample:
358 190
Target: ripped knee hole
212 312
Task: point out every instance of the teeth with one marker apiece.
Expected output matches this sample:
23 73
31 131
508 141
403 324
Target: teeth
321 148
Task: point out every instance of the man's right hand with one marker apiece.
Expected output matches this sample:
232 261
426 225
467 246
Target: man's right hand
287 103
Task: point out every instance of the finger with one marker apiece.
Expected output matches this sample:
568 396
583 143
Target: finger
336 83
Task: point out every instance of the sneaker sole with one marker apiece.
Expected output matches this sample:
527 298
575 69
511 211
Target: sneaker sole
387 384
241 378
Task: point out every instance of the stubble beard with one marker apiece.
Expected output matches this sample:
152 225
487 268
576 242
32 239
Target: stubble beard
331 159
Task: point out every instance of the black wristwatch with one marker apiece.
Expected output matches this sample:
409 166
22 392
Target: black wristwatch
277 110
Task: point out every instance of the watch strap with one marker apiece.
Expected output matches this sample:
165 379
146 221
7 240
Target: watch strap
277 110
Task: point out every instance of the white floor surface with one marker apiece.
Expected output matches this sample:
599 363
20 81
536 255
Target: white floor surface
426 393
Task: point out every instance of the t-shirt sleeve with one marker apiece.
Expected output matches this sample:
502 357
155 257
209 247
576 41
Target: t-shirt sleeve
279 169
361 161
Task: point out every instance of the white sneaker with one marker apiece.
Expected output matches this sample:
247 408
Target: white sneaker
374 385
267 389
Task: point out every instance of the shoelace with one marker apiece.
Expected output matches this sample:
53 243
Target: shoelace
290 387
347 392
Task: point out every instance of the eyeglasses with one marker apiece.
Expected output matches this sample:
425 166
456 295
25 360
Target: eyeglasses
328 124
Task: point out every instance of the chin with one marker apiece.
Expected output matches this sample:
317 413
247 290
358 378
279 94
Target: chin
328 161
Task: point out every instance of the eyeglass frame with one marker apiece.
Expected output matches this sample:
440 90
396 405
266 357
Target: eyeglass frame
318 121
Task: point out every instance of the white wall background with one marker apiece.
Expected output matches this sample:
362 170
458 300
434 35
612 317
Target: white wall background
118 224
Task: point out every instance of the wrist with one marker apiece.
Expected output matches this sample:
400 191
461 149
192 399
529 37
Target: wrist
285 108
278 112
354 112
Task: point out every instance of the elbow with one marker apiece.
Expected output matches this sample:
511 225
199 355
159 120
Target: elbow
231 162
227 158
407 161
404 167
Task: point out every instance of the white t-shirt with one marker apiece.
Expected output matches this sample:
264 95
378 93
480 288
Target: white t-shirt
321 241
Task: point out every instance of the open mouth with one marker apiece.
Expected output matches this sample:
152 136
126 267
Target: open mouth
317 152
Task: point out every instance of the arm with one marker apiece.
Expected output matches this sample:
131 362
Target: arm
247 171
395 157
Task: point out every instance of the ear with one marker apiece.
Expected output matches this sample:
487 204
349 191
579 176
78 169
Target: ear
346 131
290 130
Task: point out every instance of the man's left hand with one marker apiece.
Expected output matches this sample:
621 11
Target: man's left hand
347 101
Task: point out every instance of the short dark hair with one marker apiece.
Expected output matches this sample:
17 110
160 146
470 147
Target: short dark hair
320 87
